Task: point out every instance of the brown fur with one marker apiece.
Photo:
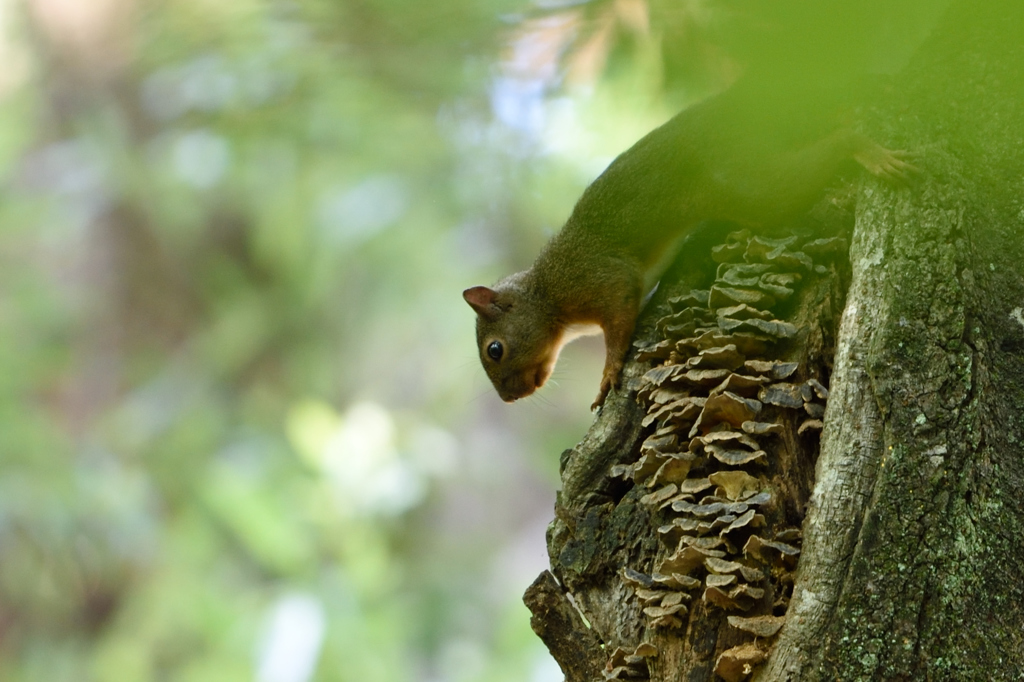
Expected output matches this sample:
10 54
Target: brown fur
712 161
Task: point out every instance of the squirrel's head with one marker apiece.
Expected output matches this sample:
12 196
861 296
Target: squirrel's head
518 339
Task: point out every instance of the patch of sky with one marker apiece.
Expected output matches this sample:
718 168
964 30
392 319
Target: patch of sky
292 641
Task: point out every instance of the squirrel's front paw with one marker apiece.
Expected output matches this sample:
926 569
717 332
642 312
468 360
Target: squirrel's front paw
891 165
609 382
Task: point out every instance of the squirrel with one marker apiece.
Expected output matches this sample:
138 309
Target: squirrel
726 158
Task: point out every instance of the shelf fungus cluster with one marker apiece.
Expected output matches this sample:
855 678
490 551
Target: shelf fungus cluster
721 405
629 665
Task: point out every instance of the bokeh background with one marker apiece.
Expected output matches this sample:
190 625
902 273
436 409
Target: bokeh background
244 434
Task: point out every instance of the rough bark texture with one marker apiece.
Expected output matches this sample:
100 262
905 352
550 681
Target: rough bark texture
560 626
913 553
912 564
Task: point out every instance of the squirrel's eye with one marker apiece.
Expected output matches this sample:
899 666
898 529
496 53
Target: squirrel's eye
494 350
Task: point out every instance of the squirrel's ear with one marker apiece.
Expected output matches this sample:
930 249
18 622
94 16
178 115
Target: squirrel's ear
481 299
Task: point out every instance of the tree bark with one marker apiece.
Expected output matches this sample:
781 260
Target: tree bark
911 561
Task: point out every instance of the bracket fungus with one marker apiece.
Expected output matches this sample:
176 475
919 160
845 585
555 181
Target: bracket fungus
735 664
723 402
630 665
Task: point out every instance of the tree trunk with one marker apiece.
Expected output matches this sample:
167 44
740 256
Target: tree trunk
911 565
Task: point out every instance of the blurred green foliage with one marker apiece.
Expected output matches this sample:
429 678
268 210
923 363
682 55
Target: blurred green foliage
243 430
